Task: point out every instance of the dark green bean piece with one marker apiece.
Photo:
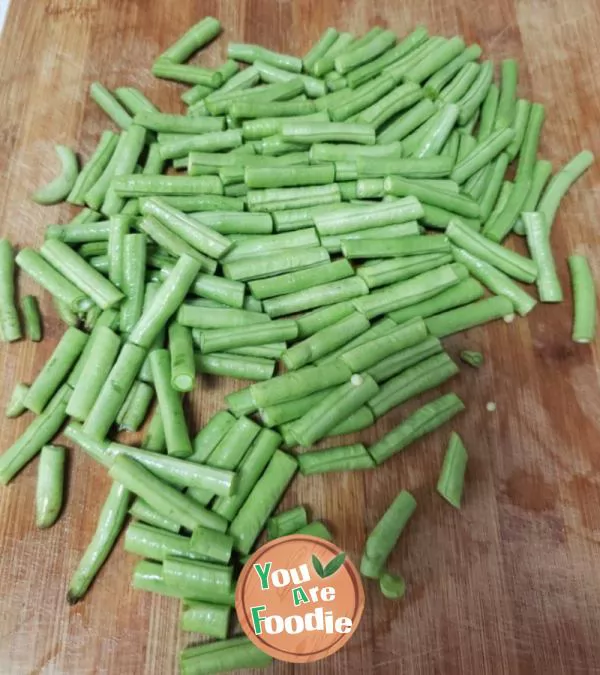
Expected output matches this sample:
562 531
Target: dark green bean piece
472 358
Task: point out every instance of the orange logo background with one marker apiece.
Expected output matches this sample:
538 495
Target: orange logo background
334 603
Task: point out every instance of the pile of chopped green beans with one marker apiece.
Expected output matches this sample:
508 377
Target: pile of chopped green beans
338 214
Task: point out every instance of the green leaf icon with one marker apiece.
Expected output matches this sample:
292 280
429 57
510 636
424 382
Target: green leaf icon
334 564
318 567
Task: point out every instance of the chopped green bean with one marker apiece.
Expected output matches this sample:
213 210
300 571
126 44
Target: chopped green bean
584 299
452 475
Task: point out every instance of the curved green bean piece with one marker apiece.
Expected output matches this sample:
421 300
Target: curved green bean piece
452 476
50 482
93 168
498 282
58 190
560 184
538 242
425 419
110 523
584 299
385 534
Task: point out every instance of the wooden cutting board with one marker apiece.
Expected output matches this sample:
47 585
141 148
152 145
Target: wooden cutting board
510 584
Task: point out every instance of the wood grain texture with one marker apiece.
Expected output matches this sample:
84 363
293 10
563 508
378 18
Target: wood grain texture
508 585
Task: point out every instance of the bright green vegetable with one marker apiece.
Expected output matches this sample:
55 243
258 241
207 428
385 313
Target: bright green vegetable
452 475
50 482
